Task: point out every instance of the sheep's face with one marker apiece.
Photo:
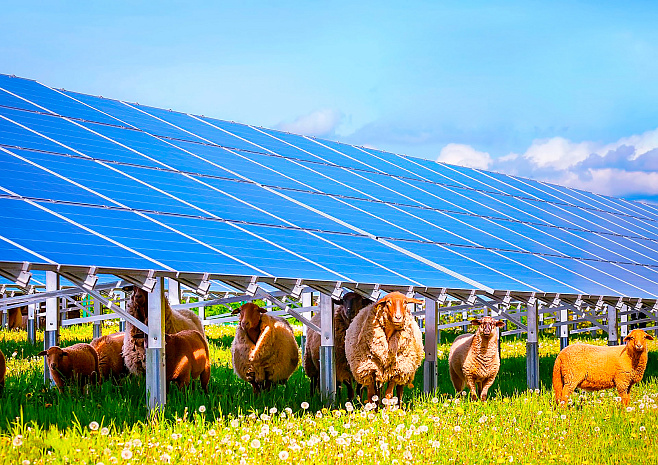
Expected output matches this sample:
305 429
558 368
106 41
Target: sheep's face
637 339
487 325
54 357
395 309
353 303
249 316
139 304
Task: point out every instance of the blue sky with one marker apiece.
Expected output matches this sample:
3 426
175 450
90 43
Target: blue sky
562 91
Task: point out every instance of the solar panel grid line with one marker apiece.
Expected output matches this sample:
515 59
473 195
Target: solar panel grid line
22 247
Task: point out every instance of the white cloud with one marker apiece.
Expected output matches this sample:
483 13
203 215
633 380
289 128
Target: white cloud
558 153
318 123
464 155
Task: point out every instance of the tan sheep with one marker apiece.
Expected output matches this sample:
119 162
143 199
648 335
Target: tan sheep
593 368
134 353
474 358
110 357
264 350
384 345
15 318
3 371
345 310
77 363
188 357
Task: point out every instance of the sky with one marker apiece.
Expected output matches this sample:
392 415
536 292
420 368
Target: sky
565 92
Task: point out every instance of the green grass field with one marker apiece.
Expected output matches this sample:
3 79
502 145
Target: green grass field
110 424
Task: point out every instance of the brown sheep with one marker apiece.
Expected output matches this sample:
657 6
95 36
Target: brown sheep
345 310
15 318
474 358
384 345
110 358
188 357
134 353
593 368
78 363
264 351
3 371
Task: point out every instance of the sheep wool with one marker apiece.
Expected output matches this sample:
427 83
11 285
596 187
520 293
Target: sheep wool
371 354
78 362
272 359
110 358
188 357
593 368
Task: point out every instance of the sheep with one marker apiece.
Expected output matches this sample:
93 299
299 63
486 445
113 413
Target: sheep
264 350
3 371
15 318
593 368
384 345
134 353
187 357
474 358
78 362
345 310
110 357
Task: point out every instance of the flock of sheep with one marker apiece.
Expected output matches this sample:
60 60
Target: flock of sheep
376 344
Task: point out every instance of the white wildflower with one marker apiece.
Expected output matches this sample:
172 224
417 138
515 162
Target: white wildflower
304 405
94 426
202 409
283 455
126 454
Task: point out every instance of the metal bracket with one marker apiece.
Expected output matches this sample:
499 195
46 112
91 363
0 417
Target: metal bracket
376 292
200 286
20 274
411 292
443 296
297 289
338 291
88 281
266 295
638 305
144 280
620 304
472 298
252 288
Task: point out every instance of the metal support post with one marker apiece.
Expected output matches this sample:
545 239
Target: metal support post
174 291
202 310
431 342
465 320
98 331
5 319
31 323
532 347
156 387
613 339
122 306
623 328
307 299
327 355
563 330
51 336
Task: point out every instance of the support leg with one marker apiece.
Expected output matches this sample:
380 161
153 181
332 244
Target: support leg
97 332
431 342
156 393
532 347
327 354
51 334
564 328
31 323
612 326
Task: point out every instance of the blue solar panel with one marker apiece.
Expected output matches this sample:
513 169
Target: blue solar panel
130 186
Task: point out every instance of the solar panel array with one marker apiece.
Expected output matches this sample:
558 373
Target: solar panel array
91 181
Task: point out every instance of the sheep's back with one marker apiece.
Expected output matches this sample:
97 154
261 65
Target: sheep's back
277 354
180 320
312 350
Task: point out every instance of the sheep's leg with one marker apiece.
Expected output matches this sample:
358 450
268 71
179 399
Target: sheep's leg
372 392
389 390
457 380
485 387
473 387
350 389
399 392
624 392
204 378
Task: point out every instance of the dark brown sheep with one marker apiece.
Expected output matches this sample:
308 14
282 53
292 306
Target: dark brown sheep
188 357
15 318
110 358
77 363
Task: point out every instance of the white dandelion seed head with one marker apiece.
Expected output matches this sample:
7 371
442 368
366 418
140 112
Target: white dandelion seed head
126 454
304 405
93 426
283 455
18 441
273 410
202 408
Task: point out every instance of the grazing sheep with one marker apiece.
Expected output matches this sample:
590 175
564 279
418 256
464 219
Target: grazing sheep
188 357
15 318
78 363
110 357
384 345
264 350
134 353
3 371
474 359
593 368
345 310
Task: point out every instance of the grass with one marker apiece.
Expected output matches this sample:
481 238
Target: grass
110 423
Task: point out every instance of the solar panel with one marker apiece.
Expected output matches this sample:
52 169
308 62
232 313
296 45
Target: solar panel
90 181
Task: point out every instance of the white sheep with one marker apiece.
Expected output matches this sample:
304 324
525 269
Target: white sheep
384 345
264 350
474 358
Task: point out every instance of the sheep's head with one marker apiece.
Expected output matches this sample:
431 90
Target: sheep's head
637 339
249 316
486 325
352 304
54 357
138 306
395 309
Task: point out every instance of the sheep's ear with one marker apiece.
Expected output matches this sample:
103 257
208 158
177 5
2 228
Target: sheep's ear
649 337
337 302
43 352
235 311
411 300
500 323
627 338
65 354
476 322
262 310
129 288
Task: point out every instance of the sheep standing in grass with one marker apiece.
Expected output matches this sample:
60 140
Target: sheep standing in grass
593 368
188 357
15 318
134 353
78 363
474 358
264 350
384 345
110 357
345 310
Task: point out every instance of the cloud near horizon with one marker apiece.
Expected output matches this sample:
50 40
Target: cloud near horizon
318 123
627 167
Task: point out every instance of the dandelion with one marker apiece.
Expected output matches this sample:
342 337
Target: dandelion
436 444
235 423
511 459
273 410
137 442
304 405
243 461
283 455
617 399
457 428
165 458
94 426
563 417
27 462
422 429
176 436
463 393
642 428
349 407
255 443
407 455
18 441
359 452
105 431
126 454
212 432
483 419
245 438
435 400
597 429
202 409
630 409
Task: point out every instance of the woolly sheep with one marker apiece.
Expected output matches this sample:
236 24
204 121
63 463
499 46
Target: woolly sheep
593 368
78 363
15 318
134 353
187 357
474 358
384 344
110 358
345 310
264 350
